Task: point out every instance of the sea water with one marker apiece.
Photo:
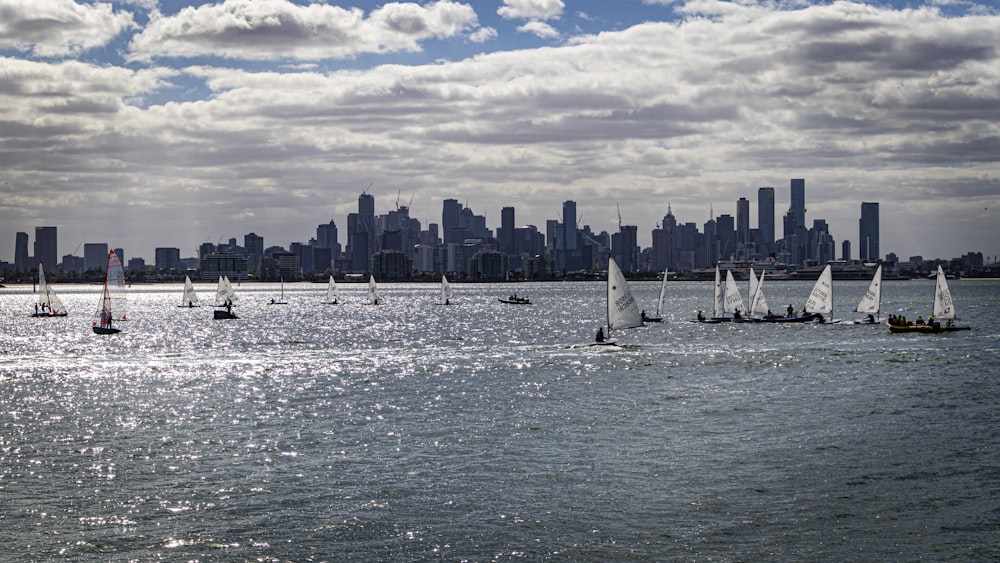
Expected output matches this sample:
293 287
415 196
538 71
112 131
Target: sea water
482 431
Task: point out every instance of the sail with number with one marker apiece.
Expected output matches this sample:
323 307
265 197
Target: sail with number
871 301
734 301
623 311
944 308
224 293
111 306
49 304
821 298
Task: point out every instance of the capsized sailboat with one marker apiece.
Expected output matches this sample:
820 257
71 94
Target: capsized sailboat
49 304
445 291
225 296
331 292
190 297
944 309
871 301
111 306
372 291
623 311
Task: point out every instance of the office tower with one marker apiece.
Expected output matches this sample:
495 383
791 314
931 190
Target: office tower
625 248
45 247
798 206
450 213
868 250
743 220
95 256
569 225
506 234
21 258
167 258
254 245
845 250
725 234
326 236
366 204
765 218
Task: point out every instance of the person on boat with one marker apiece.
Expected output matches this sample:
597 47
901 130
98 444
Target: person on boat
643 315
737 314
105 318
790 311
190 304
871 318
36 308
920 320
700 316
229 306
600 335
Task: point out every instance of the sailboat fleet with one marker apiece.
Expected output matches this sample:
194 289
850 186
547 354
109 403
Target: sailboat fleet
622 309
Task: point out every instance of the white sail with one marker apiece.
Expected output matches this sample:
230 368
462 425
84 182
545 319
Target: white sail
48 301
331 291
758 305
623 311
190 297
111 306
871 302
944 308
734 301
663 293
445 290
224 292
372 291
752 289
821 298
719 305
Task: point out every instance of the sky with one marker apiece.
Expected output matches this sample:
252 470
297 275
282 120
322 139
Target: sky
145 124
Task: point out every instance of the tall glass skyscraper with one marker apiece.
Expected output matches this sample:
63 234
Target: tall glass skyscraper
765 218
798 206
868 250
45 247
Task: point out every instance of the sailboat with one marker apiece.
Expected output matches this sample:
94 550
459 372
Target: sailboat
758 304
718 303
49 304
372 291
944 308
623 311
190 297
224 298
111 306
659 301
331 292
821 298
445 291
281 299
734 301
871 301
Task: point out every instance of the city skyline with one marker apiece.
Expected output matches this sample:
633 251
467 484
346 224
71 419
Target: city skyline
143 125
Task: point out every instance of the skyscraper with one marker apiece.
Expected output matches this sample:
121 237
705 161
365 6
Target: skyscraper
46 247
21 257
506 233
743 220
868 250
254 245
798 206
569 225
450 212
95 256
765 218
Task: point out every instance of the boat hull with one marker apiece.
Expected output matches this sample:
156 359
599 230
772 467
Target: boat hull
223 315
516 301
933 328
105 330
799 319
46 315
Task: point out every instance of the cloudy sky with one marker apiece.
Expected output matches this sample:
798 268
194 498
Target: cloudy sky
142 123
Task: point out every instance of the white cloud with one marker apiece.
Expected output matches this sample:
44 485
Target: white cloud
53 28
531 9
279 29
540 29
866 103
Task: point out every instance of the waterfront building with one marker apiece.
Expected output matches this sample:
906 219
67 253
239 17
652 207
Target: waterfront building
868 250
765 219
46 248
22 261
95 256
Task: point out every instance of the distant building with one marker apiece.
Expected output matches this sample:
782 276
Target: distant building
46 245
868 250
254 245
391 265
488 265
167 258
765 218
95 256
22 261
224 264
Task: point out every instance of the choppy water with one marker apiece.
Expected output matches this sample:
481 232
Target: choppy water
490 432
